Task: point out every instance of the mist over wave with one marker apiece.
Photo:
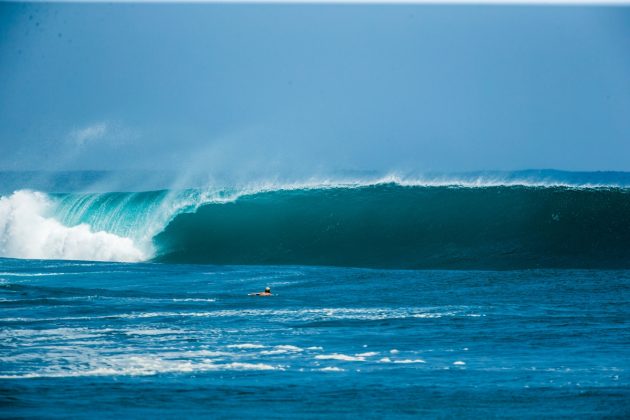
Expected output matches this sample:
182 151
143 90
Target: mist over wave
139 180
490 220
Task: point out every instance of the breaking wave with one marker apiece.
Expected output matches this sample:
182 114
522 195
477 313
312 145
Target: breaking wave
27 230
391 222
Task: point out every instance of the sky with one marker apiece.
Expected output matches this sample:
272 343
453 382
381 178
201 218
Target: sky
313 89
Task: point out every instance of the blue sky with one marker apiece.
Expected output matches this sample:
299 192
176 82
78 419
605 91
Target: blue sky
311 89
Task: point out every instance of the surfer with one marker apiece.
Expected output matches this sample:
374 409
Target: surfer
267 292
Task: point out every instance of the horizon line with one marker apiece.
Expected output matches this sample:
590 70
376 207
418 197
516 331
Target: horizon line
355 2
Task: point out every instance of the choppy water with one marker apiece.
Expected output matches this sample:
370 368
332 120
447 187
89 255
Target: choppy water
114 339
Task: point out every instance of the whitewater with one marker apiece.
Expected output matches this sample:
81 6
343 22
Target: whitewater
108 339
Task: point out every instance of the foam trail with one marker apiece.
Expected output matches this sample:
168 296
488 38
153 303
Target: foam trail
28 231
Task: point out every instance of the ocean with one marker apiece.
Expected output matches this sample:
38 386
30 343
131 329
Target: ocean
480 295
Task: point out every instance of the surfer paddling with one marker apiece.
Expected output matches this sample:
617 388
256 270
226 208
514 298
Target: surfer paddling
267 292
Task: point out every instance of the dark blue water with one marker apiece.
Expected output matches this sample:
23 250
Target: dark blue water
140 340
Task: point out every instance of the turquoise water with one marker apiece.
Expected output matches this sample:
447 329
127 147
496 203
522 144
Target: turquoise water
137 340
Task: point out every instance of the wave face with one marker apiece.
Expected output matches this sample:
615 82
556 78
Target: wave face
396 226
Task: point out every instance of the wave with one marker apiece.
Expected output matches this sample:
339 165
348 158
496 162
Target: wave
139 180
395 226
391 222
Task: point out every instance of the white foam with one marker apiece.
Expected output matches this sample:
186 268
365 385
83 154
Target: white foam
34 274
407 361
194 300
289 347
152 331
367 354
27 230
248 366
123 365
282 350
459 363
246 346
332 369
338 356
301 314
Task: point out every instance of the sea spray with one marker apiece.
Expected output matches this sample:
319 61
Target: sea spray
28 231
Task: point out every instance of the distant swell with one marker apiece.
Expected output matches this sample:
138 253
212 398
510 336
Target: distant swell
394 226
